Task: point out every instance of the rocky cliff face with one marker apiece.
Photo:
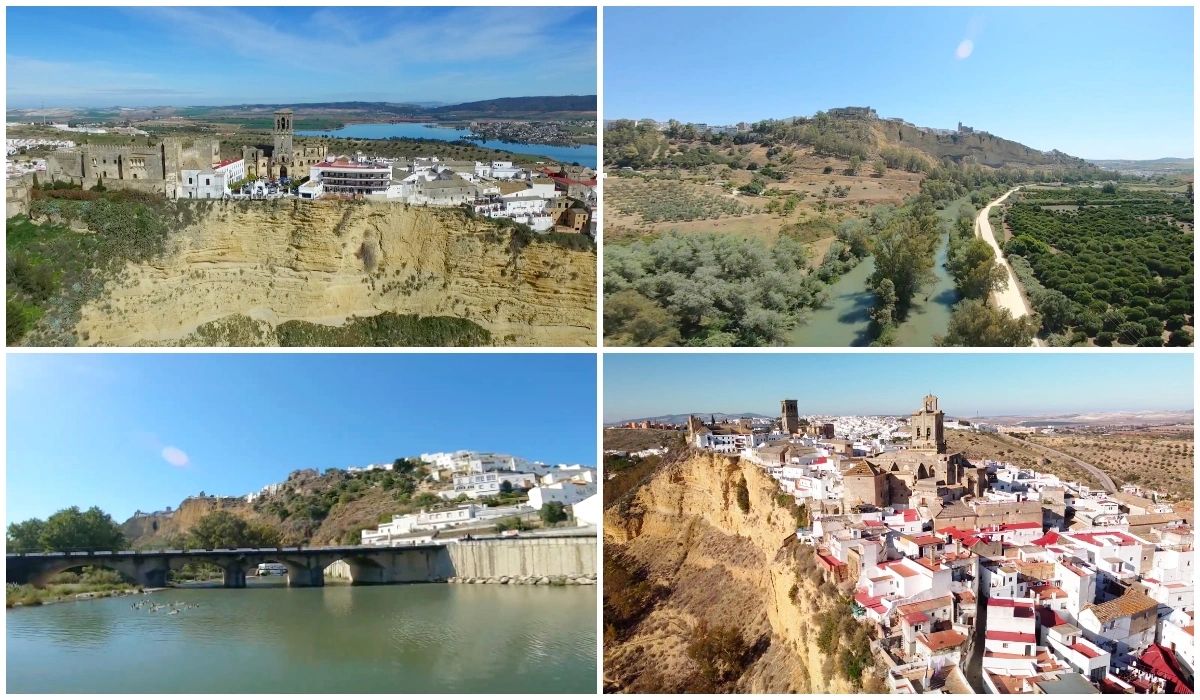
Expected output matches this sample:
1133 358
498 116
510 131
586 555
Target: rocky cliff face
326 262
712 562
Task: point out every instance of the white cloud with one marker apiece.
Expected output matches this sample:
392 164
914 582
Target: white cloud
175 456
965 49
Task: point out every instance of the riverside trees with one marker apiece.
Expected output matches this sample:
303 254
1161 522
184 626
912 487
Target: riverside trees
904 246
67 530
706 290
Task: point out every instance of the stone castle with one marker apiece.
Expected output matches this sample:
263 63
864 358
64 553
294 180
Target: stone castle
158 167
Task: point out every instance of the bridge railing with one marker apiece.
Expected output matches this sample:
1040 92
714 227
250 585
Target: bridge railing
296 548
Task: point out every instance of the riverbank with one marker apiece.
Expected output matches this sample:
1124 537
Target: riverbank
25 595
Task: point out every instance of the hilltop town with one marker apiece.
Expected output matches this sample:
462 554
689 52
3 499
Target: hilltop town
961 575
438 496
547 196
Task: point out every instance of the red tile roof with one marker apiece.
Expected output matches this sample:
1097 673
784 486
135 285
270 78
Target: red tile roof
1049 538
1093 538
946 639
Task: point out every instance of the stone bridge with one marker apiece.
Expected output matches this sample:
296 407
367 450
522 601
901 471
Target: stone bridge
572 555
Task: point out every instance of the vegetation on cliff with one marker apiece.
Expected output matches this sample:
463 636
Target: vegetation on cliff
52 268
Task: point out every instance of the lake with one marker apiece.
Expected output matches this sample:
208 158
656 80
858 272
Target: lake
339 638
584 155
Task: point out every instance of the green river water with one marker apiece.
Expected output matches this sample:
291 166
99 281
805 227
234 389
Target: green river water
845 320
347 639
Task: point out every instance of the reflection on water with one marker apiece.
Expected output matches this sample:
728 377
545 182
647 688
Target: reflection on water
413 638
584 154
845 320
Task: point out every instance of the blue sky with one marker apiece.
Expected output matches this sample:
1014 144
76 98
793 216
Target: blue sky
1095 82
143 431
100 57
640 385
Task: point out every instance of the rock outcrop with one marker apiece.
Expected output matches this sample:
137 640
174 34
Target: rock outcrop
327 262
684 531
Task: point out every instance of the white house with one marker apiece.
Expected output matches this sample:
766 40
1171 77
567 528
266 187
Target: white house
589 511
1123 625
212 183
564 492
476 485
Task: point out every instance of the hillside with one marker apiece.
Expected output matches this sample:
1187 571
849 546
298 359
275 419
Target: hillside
297 273
566 105
310 508
545 107
701 595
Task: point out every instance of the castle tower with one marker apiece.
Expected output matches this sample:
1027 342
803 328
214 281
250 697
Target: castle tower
284 132
790 416
928 432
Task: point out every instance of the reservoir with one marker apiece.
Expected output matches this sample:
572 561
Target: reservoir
583 155
416 638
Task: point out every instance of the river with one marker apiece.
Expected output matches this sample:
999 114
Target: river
339 638
845 319
583 155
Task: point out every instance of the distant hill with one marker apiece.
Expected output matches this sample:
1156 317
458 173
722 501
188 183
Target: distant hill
681 418
1158 166
1099 418
535 107
582 104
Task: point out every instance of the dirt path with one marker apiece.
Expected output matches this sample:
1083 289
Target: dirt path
1010 297
1104 479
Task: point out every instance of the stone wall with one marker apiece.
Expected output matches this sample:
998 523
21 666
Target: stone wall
529 558
523 557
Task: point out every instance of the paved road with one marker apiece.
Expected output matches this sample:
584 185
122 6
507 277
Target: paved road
1105 480
1010 297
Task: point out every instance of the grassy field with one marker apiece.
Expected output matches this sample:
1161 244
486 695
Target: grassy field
980 446
634 440
1160 460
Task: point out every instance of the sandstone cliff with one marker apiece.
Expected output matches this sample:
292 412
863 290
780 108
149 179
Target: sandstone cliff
328 262
707 560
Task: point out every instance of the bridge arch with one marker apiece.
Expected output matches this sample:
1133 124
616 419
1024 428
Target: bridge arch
126 570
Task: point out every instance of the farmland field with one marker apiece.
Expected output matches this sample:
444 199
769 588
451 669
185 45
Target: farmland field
1109 264
1156 460
658 200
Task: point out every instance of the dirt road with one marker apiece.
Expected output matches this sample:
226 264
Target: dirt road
1010 297
1104 479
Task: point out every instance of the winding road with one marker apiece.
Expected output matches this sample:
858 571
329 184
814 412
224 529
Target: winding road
1104 479
1010 297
